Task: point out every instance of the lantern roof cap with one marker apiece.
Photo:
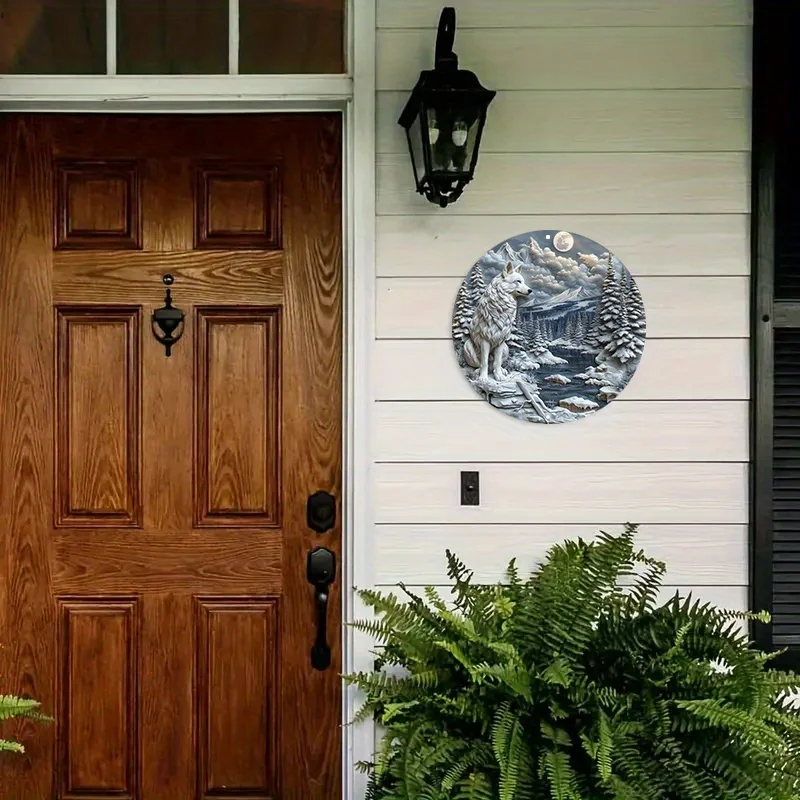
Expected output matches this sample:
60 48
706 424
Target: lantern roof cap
445 79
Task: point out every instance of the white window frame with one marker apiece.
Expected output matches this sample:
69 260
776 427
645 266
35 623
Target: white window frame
353 95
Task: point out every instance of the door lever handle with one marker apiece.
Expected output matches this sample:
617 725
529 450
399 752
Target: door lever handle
321 572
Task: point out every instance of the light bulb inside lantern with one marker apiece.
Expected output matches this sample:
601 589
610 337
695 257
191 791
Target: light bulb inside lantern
433 134
459 134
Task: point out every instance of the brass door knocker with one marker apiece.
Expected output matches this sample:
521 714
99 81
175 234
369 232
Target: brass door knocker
169 319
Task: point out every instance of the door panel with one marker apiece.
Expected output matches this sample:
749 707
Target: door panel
152 508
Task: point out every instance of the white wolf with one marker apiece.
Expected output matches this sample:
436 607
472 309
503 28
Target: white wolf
493 321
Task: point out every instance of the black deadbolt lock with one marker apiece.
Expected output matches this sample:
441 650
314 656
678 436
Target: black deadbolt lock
321 512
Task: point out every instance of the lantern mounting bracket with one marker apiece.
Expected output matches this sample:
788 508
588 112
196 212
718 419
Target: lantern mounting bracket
445 58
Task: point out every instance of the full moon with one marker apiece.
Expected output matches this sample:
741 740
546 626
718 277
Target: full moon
563 241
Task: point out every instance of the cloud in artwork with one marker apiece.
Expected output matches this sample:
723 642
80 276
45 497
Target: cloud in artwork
566 271
547 272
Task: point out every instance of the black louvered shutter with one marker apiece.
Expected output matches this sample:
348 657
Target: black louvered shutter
776 334
786 490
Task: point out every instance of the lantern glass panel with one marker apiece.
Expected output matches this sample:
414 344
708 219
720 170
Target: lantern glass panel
452 135
416 143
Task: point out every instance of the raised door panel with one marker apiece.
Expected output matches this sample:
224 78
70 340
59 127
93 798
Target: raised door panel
237 689
97 716
98 205
238 448
98 417
237 206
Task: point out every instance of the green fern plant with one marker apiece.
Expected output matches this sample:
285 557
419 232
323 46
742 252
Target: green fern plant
574 683
11 707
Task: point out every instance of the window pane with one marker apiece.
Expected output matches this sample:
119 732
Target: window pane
280 36
53 37
170 37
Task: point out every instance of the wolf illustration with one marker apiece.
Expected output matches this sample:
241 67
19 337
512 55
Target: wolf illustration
493 321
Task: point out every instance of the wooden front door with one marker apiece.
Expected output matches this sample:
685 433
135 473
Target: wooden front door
153 521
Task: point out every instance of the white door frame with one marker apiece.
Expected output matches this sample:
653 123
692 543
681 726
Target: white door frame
353 95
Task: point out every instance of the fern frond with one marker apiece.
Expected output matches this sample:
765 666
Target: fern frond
11 706
574 683
559 775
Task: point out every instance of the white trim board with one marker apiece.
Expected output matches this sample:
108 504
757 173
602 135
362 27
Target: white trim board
354 96
172 93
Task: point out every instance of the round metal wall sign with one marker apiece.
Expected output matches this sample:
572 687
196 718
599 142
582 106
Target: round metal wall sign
549 326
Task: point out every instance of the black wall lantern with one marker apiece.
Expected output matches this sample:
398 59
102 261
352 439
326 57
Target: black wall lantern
444 120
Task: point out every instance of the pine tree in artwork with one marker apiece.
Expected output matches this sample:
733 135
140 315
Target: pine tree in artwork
626 344
619 346
579 334
569 329
477 285
516 341
462 314
536 340
636 315
592 337
610 308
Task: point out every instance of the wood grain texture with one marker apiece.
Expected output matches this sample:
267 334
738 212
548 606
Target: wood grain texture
630 431
167 658
237 696
166 563
98 205
99 416
440 245
646 493
236 561
581 183
597 121
699 555
238 206
238 410
567 13
249 277
670 369
676 308
312 386
587 58
26 440
98 724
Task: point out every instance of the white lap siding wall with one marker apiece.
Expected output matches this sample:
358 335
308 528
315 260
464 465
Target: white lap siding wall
626 121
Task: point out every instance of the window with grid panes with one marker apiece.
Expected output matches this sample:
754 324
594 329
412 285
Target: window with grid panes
171 37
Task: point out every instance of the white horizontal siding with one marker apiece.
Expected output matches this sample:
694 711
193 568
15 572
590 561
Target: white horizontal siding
626 121
596 121
671 369
565 13
709 430
577 493
583 183
649 244
700 555
421 308
577 58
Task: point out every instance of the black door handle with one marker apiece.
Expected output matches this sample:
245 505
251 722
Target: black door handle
321 572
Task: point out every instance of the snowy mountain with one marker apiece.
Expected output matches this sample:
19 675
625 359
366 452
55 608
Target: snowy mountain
557 310
509 253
